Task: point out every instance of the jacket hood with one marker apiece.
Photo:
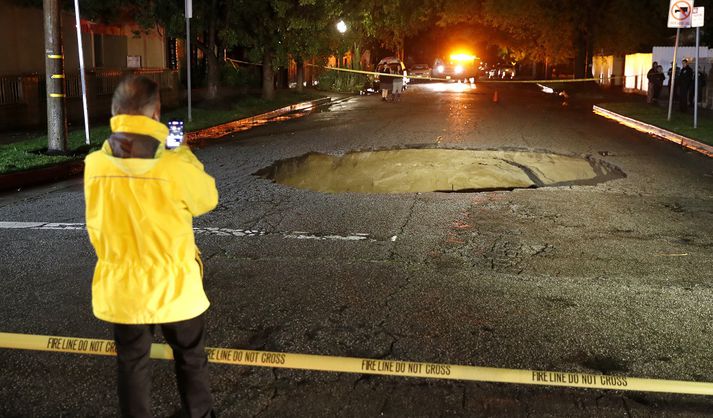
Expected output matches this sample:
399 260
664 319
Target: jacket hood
140 125
136 143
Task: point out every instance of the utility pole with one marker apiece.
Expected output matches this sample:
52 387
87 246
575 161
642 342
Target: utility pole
54 78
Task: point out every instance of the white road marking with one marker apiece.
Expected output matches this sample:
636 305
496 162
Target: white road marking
212 231
225 232
305 235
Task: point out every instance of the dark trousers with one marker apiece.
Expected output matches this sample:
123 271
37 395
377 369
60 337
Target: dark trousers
133 346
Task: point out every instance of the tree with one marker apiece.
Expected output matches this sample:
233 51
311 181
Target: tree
391 22
309 31
561 31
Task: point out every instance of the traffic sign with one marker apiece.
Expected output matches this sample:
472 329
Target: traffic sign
680 14
698 15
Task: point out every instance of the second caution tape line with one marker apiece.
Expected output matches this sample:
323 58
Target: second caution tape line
416 77
479 80
368 366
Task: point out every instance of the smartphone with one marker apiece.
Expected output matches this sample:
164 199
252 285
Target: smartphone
175 133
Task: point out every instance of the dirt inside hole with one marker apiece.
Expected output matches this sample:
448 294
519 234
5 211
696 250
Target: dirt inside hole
437 170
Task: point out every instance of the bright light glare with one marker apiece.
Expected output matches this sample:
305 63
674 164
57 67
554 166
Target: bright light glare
440 68
546 89
341 26
462 57
451 87
458 69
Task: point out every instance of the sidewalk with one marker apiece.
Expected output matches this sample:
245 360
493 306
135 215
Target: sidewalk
652 119
631 110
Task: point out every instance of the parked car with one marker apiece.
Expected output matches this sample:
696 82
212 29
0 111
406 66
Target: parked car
396 66
507 72
502 71
420 70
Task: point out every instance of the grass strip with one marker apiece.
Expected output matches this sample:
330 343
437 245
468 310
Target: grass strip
29 154
681 123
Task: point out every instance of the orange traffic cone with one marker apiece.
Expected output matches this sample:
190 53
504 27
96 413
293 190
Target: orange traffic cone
496 99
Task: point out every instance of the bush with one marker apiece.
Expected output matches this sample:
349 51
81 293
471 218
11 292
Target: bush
342 82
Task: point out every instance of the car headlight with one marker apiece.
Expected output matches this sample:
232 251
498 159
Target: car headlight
440 68
458 69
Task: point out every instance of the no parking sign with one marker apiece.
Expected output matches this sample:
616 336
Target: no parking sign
680 14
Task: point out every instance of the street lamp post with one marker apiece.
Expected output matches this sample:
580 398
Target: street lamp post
341 28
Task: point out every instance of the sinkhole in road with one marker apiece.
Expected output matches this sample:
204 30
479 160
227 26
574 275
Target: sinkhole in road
437 170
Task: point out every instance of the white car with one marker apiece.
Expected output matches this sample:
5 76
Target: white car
420 70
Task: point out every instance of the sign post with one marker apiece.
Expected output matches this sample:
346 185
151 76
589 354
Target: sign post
679 16
189 15
697 22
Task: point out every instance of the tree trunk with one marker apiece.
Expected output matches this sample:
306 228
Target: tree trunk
268 76
580 59
300 74
212 58
356 59
213 76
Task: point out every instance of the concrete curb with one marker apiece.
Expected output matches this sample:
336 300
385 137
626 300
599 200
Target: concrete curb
228 128
62 171
36 177
661 133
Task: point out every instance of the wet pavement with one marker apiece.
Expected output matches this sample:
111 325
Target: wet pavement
609 278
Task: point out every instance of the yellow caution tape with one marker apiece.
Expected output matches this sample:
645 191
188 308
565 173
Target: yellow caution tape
57 76
368 366
56 57
418 77
478 81
57 95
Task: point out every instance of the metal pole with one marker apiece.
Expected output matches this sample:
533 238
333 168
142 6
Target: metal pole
188 65
54 78
695 94
81 71
672 83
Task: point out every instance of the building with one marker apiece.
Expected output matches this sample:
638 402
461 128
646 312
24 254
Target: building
630 71
110 53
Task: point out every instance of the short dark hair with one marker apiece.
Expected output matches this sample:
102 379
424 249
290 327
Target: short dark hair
135 95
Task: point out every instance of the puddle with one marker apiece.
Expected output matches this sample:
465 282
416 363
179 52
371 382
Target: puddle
437 170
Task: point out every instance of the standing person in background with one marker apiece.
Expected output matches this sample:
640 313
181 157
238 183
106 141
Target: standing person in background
140 202
651 76
658 79
684 81
709 89
676 87
385 83
397 84
702 81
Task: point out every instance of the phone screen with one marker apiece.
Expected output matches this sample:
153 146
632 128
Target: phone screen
175 133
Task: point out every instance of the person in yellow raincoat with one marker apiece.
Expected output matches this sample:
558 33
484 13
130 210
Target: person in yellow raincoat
140 202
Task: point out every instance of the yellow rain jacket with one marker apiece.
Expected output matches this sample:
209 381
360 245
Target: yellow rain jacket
140 221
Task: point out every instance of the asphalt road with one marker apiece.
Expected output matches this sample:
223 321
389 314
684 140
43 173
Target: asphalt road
610 278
